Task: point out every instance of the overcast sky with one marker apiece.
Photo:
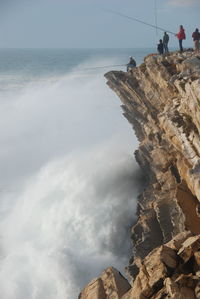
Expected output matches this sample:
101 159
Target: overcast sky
84 23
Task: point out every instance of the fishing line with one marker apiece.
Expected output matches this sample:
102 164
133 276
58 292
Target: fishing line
79 72
100 67
137 20
156 18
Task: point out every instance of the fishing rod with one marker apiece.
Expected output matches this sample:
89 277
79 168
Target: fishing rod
156 18
101 67
137 20
79 71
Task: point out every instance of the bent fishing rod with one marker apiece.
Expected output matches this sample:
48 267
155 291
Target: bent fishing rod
136 20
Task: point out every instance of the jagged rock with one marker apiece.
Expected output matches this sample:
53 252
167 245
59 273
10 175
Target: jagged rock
114 283
111 284
189 247
178 292
154 270
161 100
171 287
177 241
197 259
197 290
94 290
162 272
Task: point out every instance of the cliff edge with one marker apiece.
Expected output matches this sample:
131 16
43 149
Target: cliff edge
161 100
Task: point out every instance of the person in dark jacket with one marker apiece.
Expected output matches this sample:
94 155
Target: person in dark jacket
131 64
160 47
165 42
181 36
196 39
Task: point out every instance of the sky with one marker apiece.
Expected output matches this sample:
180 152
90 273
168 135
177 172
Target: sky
87 24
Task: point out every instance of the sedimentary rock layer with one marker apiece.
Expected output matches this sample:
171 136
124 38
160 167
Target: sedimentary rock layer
161 100
111 284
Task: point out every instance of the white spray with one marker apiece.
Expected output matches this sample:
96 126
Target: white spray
67 188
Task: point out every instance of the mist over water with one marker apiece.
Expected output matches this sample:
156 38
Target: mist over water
68 184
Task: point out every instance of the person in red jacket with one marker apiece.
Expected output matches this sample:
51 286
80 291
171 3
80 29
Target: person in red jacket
196 39
181 36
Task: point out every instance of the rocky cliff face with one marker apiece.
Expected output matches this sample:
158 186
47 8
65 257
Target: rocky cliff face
161 100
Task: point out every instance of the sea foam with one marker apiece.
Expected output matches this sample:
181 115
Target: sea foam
68 196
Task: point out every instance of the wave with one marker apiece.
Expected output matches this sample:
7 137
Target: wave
68 196
70 221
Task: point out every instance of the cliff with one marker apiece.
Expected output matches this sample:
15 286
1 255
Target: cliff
161 100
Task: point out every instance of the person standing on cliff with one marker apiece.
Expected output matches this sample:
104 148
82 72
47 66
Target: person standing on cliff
181 36
196 39
160 47
165 42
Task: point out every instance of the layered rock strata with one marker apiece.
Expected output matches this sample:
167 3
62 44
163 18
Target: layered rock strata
161 100
111 284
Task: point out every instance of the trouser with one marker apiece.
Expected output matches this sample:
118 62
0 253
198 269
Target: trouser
181 45
165 46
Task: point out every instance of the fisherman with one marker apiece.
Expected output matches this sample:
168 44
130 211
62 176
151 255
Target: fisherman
165 42
131 64
160 47
181 36
196 39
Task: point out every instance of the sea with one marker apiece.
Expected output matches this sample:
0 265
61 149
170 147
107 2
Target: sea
68 179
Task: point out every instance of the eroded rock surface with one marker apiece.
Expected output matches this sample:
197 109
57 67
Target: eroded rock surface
111 284
161 100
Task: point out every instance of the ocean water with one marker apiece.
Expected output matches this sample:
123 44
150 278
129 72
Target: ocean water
68 179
